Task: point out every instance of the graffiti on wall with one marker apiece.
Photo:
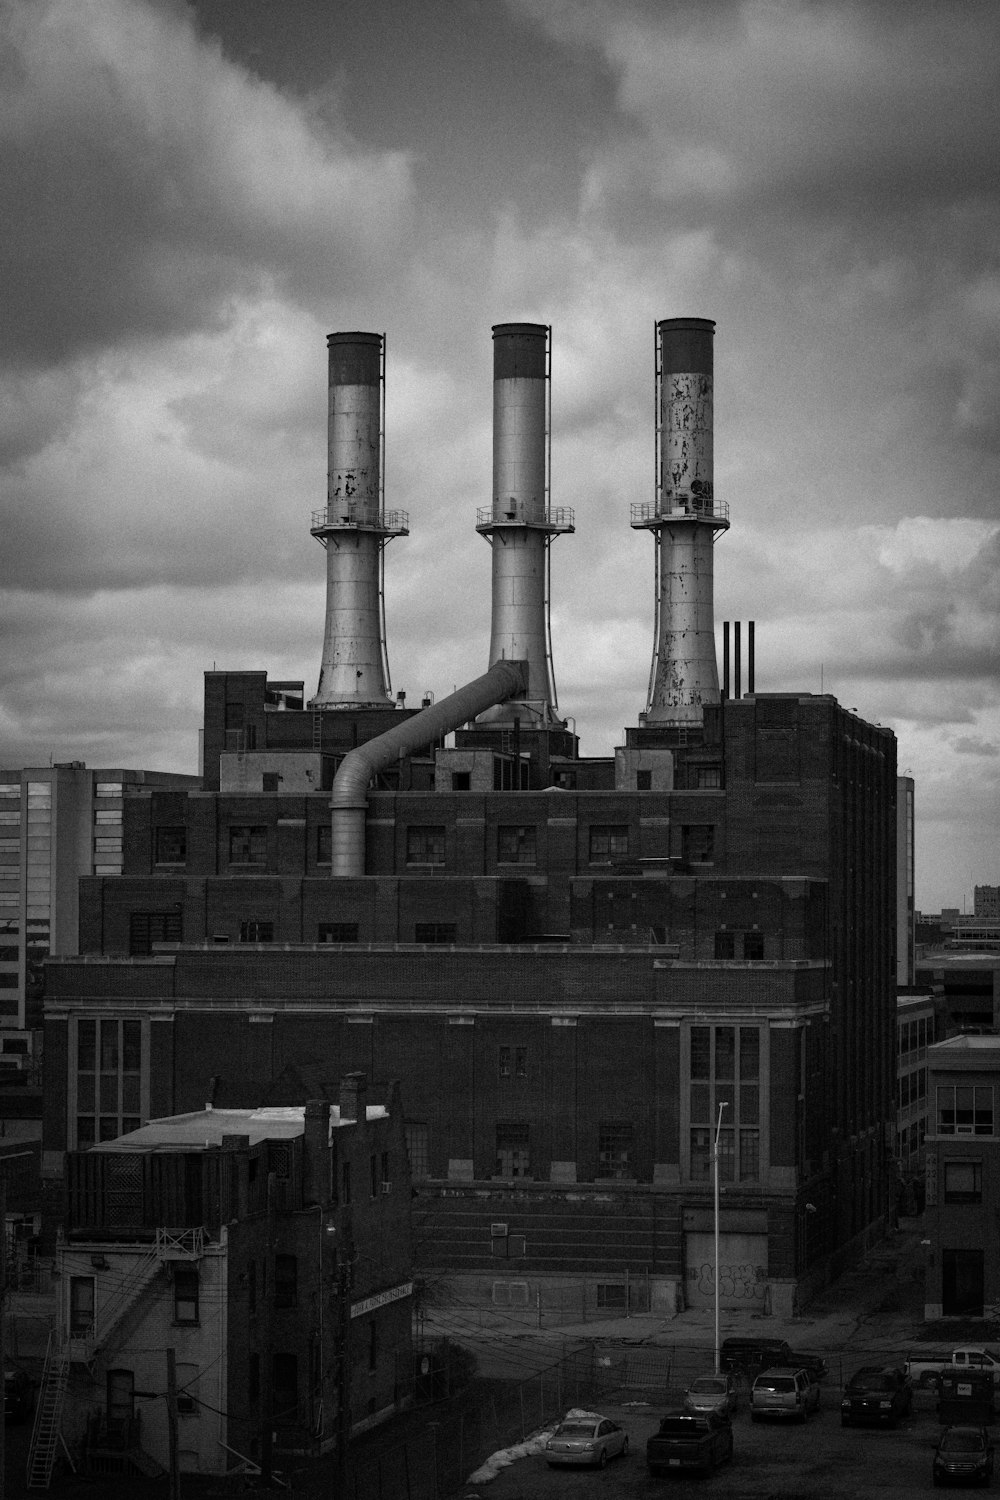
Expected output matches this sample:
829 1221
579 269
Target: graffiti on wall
741 1282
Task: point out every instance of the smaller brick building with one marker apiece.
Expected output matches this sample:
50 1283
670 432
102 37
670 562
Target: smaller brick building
963 1177
269 1249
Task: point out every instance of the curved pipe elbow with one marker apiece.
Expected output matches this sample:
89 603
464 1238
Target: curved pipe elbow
349 793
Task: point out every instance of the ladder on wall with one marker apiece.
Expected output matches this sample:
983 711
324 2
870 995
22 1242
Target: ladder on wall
46 1433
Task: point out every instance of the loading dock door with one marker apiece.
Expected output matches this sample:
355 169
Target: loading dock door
742 1269
962 1283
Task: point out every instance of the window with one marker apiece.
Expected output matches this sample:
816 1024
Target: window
248 844
608 841
511 1294
434 932
425 845
187 1383
286 1275
506 1246
81 1305
269 781
106 789
753 945
963 1182
324 844
108 819
614 1149
286 1387
965 1109
512 1062
171 846
698 843
513 1158
109 1060
644 781
418 1149
709 776
725 944
254 931
516 844
185 1294
724 1068
148 927
461 781
611 1294
337 932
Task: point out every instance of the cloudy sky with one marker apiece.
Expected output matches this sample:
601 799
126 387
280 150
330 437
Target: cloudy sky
194 194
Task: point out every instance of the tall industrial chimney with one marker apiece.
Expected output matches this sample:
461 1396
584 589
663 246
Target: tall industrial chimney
520 524
354 528
683 519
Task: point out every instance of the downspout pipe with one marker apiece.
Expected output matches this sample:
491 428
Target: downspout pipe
349 794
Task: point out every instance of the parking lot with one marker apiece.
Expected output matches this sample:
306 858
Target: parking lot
820 1460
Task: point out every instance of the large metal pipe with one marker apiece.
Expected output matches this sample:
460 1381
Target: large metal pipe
684 519
349 794
354 529
519 525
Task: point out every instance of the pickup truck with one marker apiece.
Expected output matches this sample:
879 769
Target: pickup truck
926 1370
690 1440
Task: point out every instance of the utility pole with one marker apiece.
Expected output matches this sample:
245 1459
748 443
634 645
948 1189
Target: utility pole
345 1287
3 1322
267 1363
715 1183
175 1473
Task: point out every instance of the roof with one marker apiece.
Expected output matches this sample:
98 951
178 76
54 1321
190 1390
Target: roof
205 1128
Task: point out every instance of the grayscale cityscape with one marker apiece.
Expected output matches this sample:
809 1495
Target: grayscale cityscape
577 1071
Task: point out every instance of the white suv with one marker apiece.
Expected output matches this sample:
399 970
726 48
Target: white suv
783 1392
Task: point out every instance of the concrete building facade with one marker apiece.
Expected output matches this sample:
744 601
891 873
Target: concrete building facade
270 1250
963 1178
568 974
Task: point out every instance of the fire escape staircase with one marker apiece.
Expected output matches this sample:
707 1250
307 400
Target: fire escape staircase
46 1435
170 1245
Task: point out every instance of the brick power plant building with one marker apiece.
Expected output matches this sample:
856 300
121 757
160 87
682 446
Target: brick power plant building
571 964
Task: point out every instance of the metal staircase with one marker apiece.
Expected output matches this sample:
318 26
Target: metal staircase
45 1435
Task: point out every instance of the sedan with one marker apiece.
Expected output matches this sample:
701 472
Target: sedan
964 1456
712 1393
585 1437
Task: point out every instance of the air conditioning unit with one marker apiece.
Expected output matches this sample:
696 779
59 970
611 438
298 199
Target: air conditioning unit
387 1187
496 1230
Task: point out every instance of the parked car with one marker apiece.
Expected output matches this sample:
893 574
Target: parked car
712 1393
18 1393
813 1364
585 1437
784 1392
749 1356
690 1440
927 1369
876 1393
964 1455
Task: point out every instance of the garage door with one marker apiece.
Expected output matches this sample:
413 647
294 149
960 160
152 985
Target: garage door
742 1269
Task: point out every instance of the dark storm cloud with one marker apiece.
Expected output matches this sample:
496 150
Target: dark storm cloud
145 183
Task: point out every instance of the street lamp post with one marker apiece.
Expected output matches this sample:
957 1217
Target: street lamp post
715 1186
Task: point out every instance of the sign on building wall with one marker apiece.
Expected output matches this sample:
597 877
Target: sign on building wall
381 1299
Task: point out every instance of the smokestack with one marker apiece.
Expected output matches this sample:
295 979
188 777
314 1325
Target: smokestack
520 524
354 528
683 519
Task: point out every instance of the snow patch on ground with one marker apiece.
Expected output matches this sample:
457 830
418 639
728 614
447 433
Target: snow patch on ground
534 1443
